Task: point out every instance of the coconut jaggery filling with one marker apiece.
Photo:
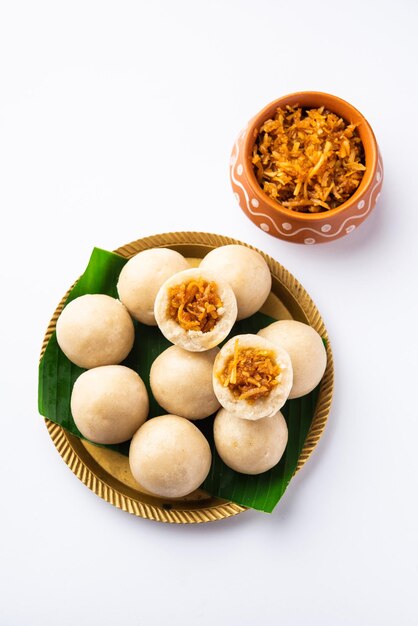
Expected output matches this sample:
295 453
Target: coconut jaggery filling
195 305
308 160
250 373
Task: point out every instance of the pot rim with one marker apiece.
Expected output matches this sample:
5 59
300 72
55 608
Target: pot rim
336 105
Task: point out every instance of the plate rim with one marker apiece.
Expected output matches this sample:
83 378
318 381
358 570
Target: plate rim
221 509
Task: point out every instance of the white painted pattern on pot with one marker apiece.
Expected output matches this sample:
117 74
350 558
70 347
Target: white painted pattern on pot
321 233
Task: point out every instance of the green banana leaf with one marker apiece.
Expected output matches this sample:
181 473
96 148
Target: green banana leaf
57 375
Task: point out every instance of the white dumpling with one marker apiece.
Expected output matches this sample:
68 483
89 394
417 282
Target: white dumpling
247 273
306 350
252 377
250 447
181 382
95 330
141 278
213 301
109 403
169 456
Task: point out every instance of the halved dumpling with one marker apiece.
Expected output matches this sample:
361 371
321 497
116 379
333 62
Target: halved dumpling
252 377
195 309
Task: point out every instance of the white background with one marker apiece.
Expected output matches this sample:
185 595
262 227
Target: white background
116 122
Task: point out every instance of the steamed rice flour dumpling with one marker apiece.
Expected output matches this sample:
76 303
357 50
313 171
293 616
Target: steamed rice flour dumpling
95 330
252 377
169 456
195 309
246 272
306 350
248 446
181 382
109 403
141 278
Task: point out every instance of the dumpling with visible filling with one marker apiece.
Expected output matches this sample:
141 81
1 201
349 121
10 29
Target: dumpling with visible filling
195 309
252 377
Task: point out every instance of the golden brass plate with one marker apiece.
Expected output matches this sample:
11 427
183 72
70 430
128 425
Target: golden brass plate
107 472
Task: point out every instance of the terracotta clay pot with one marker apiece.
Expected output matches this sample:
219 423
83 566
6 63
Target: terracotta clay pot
305 228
